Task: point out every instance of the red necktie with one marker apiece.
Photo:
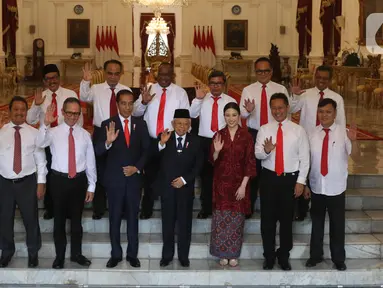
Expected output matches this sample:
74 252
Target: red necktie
321 93
54 102
17 151
126 132
214 115
324 158
279 165
161 113
113 105
264 115
71 155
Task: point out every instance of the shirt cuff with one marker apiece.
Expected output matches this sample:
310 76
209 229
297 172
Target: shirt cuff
107 147
301 180
161 147
91 188
183 180
41 179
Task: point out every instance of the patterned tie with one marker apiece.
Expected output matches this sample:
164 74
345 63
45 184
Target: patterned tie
126 132
17 151
264 115
214 115
113 105
71 155
321 93
324 158
54 102
179 145
279 165
161 113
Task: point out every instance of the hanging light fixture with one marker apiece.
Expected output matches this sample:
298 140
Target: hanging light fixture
157 5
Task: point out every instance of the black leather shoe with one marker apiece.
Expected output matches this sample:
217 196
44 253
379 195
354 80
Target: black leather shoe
113 262
164 262
81 259
33 260
313 262
48 215
97 216
285 265
134 262
202 215
299 218
58 263
185 263
146 215
248 216
340 266
268 264
4 260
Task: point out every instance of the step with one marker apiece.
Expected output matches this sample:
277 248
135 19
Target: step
360 273
367 246
356 222
364 181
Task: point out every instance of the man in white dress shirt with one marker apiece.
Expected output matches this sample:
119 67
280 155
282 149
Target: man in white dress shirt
209 108
157 104
330 145
283 148
22 182
54 94
307 101
73 177
103 97
255 108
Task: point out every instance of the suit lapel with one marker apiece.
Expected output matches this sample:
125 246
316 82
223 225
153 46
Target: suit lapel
132 130
120 127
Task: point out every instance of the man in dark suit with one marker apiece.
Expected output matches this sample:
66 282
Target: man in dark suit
126 144
181 163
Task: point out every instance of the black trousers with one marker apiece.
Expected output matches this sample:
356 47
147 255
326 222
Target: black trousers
99 200
150 175
336 211
68 200
177 209
206 177
124 200
24 194
48 202
277 204
254 182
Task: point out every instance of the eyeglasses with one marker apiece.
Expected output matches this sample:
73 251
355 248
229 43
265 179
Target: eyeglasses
216 83
51 78
259 72
72 114
113 74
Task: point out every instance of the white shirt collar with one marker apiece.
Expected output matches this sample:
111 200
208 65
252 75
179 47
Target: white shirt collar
67 126
107 86
332 127
183 137
122 119
324 91
11 124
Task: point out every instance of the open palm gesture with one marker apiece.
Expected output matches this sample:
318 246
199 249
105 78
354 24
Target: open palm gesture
87 72
268 145
39 98
165 135
249 105
200 93
218 143
296 87
352 132
111 133
49 118
146 94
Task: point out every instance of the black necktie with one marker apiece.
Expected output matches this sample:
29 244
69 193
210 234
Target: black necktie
179 145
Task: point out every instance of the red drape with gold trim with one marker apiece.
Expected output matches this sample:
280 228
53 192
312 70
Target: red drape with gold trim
10 25
328 11
304 25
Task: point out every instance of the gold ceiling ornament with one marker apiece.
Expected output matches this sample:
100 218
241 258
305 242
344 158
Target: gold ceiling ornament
157 5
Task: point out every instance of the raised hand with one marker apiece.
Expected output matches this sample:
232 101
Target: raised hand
111 133
296 87
249 105
146 94
200 93
268 145
352 132
49 118
87 72
218 143
165 136
39 98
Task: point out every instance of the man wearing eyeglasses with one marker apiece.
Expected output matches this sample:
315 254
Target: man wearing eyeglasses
103 97
56 95
255 108
157 104
209 108
73 177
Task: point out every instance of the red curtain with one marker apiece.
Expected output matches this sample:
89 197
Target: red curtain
328 11
304 25
170 19
10 25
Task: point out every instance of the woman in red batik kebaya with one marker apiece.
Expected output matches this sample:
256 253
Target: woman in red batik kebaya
232 154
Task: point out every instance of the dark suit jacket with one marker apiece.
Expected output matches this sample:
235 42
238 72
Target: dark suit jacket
186 164
120 155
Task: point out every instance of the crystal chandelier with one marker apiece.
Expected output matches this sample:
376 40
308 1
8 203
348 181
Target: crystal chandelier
157 5
157 25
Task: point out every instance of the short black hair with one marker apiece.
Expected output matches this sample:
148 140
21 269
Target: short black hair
279 96
231 105
18 99
263 59
71 100
113 61
123 92
325 68
163 64
327 101
217 73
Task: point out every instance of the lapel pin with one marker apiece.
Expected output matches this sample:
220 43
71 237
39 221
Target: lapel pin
187 144
134 127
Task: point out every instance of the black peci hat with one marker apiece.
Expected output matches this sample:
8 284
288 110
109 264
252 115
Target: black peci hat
181 113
